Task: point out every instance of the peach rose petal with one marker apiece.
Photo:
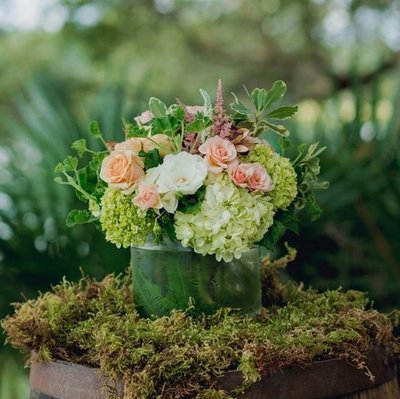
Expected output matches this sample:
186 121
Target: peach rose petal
219 154
121 170
259 179
148 197
133 144
239 174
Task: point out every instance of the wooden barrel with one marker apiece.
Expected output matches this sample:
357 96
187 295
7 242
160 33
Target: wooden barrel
321 380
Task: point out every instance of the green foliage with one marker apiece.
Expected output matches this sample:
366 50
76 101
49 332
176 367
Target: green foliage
94 130
86 181
150 301
308 169
36 134
158 108
208 106
355 243
94 322
132 130
166 222
260 113
200 123
285 112
151 158
80 147
78 217
283 221
50 111
192 203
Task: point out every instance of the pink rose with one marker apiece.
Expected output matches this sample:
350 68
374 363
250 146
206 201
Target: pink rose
122 169
133 144
219 154
240 174
259 179
148 197
251 175
144 117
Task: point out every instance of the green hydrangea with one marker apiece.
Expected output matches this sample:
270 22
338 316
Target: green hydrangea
281 171
123 223
229 221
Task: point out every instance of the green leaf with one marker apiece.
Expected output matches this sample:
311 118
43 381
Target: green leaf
94 129
323 185
259 98
239 107
78 217
192 203
162 125
207 103
283 112
274 234
285 143
157 107
79 146
276 93
59 180
301 148
280 129
293 226
199 124
70 164
151 158
96 161
89 176
59 168
132 130
313 207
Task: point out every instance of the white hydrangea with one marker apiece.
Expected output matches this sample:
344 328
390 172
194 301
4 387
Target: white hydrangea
229 221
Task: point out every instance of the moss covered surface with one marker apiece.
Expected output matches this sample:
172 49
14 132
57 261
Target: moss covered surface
179 356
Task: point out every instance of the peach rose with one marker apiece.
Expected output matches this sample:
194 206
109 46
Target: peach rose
259 179
148 197
122 169
240 174
219 154
133 144
144 117
160 141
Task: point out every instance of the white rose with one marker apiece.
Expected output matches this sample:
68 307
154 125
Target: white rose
152 176
182 173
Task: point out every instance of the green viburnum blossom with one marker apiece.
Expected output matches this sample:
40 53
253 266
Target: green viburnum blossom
229 221
123 223
281 171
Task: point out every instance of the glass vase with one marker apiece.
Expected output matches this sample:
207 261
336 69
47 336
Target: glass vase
167 277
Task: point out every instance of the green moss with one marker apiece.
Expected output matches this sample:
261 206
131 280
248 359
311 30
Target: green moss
179 356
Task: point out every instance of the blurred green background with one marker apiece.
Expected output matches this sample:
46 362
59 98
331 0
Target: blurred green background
64 63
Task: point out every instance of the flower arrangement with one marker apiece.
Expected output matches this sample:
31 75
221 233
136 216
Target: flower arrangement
198 175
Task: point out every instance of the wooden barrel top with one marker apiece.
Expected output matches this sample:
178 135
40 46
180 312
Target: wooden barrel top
322 379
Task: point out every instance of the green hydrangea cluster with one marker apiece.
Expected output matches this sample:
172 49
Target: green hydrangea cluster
123 223
229 221
281 171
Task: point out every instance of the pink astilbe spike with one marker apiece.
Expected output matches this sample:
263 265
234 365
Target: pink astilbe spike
222 125
220 99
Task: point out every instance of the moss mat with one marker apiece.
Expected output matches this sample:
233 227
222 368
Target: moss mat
179 356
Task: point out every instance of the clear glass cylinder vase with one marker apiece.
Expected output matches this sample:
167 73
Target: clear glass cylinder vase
167 277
